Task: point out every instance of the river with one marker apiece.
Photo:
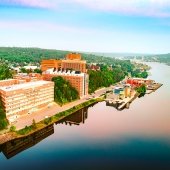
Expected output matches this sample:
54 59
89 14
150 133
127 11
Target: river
100 137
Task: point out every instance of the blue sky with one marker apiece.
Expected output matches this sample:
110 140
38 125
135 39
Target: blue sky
138 26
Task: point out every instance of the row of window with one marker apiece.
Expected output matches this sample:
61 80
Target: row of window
12 110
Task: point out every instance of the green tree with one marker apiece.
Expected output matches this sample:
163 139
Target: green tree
63 91
37 71
12 128
141 89
5 72
3 120
23 70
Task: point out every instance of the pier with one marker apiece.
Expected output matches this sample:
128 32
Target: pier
120 104
152 88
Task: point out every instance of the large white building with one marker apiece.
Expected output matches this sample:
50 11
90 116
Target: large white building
22 99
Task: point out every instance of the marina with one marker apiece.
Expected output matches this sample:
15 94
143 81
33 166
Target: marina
123 95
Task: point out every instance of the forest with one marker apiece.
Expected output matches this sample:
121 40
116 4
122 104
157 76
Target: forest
104 78
23 56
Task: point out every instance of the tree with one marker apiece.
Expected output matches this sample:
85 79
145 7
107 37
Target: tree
63 91
141 89
12 128
37 71
5 72
104 77
3 120
23 70
34 126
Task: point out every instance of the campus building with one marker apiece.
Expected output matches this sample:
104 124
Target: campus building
25 98
24 77
77 79
72 61
8 82
72 69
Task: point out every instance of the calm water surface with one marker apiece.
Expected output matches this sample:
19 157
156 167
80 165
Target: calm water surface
100 137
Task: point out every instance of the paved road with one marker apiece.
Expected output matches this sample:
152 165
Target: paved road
52 110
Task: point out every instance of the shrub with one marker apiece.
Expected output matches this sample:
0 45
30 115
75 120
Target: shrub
141 89
12 128
24 131
48 120
34 126
3 124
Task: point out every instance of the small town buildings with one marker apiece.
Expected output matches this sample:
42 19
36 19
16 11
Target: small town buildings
30 67
94 67
124 91
25 98
139 81
127 89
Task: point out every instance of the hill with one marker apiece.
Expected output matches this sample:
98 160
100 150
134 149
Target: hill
23 56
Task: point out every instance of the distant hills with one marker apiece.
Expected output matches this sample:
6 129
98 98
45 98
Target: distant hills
35 55
115 55
161 58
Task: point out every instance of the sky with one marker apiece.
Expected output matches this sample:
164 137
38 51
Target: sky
133 26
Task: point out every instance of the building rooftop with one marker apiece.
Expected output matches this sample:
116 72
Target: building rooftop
30 67
6 80
68 72
24 85
73 61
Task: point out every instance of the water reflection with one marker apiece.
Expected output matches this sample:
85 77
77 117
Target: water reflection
16 146
76 118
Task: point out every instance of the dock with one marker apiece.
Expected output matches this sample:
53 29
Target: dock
153 88
127 102
121 104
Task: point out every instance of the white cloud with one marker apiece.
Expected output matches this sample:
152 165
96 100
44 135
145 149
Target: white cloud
152 8
27 3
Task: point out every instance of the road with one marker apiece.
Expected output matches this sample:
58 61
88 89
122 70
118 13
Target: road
53 110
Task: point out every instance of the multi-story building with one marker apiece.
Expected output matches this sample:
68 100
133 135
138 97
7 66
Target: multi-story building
8 82
72 68
28 77
72 61
77 79
22 99
73 56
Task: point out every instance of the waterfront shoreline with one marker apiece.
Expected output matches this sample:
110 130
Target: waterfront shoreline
58 117
40 125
